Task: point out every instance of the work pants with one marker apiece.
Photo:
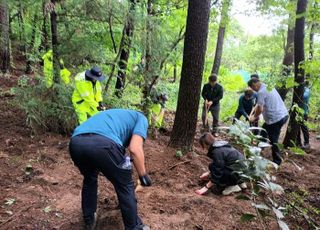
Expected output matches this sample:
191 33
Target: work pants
273 133
215 110
305 132
92 153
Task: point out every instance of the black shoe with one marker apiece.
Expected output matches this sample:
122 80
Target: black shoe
92 226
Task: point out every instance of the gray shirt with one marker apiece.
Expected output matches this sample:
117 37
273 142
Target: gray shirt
274 108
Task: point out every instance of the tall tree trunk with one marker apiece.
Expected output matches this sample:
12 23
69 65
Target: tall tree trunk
311 41
221 34
287 62
44 45
54 40
174 73
147 70
30 47
23 38
195 44
314 24
4 37
299 74
125 51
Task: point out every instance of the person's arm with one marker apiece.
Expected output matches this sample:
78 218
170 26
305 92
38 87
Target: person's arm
259 105
241 108
204 93
257 112
136 150
219 95
84 91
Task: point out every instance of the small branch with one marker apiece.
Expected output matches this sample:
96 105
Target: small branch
180 163
111 34
16 215
305 216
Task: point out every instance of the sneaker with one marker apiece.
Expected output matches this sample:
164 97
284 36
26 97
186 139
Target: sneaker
231 189
306 147
92 226
243 185
145 227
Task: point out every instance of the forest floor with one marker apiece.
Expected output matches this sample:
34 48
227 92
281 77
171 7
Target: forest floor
48 197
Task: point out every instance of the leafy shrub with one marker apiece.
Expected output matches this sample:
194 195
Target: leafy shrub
259 172
46 109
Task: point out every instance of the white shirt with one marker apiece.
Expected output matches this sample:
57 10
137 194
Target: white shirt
274 108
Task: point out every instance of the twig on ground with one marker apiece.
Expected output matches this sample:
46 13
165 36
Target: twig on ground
16 215
180 163
305 216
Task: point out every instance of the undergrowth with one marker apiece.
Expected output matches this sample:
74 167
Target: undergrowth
46 109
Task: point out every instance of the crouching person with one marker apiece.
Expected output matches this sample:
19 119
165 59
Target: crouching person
98 145
226 164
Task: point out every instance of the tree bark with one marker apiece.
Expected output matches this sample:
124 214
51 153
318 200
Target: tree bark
147 70
174 73
125 51
314 24
299 76
30 47
23 38
54 40
287 63
4 37
195 43
44 45
221 34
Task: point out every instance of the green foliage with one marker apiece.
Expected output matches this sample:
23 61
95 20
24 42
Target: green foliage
258 174
46 109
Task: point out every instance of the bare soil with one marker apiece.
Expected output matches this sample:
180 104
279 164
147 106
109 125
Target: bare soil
49 196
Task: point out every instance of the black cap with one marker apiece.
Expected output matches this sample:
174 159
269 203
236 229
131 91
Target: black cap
95 73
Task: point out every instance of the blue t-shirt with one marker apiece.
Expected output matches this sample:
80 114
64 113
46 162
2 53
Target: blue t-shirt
117 124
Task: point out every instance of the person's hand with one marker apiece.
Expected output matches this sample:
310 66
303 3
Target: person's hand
102 106
253 118
145 180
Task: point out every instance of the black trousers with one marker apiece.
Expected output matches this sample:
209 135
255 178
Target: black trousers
92 153
229 177
273 133
305 132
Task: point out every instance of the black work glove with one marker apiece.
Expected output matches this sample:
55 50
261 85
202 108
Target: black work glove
145 180
102 106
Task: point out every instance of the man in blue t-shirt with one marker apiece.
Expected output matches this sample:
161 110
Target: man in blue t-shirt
99 144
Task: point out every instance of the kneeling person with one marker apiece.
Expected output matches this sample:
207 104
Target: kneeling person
99 144
226 164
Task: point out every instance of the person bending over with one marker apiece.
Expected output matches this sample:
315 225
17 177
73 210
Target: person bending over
98 145
274 112
247 101
224 171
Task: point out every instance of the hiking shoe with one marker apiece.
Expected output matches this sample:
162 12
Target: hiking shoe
92 226
243 185
306 147
145 227
231 189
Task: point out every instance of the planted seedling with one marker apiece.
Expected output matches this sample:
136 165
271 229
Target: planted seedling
10 201
179 154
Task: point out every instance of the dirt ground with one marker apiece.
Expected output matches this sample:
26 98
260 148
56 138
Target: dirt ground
49 196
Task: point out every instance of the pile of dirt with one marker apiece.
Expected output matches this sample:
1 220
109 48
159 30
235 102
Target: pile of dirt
40 187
